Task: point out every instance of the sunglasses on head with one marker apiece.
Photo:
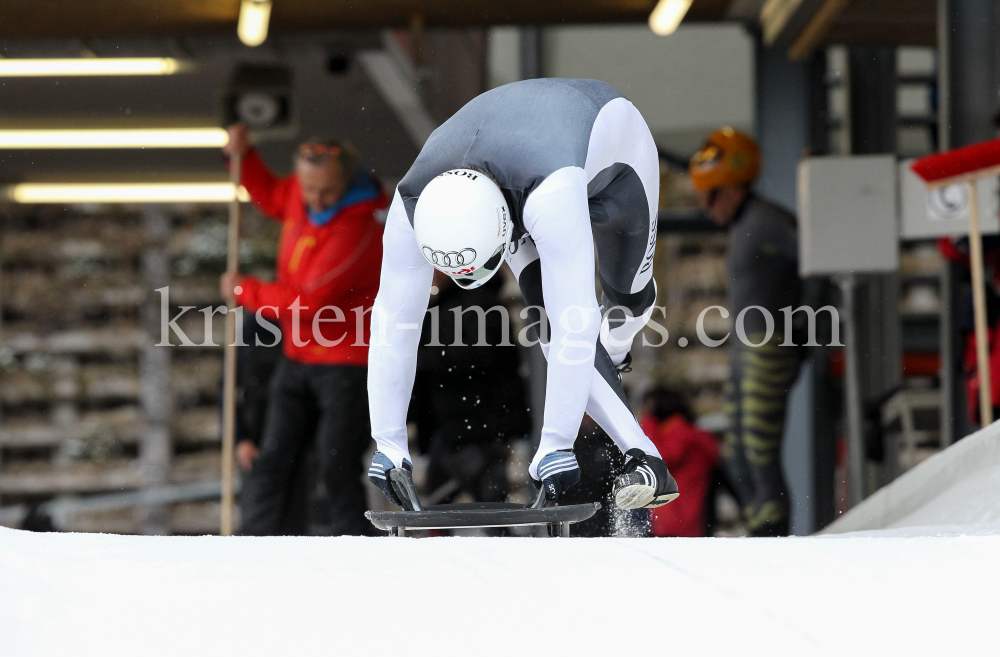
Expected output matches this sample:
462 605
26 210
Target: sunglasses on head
319 151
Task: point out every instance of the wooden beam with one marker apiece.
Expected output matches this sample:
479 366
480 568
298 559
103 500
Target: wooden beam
899 22
193 377
44 478
884 33
72 19
80 342
775 16
84 477
123 425
197 518
869 22
817 28
746 11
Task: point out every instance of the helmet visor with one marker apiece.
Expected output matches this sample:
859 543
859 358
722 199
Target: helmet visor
479 276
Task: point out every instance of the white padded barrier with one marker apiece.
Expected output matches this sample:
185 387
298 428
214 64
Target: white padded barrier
972 463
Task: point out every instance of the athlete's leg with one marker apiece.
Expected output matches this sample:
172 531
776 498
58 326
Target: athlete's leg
607 403
623 174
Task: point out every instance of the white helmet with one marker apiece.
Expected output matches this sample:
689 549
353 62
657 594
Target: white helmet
462 226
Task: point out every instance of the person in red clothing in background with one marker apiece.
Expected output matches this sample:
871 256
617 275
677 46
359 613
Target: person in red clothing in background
689 453
956 249
328 267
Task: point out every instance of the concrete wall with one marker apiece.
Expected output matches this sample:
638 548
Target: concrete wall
685 84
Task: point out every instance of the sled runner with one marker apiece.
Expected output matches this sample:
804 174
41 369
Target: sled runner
486 514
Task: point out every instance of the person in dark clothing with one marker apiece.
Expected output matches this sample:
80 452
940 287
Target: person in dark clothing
308 409
255 366
469 401
762 278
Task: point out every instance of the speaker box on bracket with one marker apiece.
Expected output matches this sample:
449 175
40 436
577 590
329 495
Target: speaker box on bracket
260 95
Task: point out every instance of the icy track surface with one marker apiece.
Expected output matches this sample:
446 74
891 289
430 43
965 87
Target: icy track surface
80 594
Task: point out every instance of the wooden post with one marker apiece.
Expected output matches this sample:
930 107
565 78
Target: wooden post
229 367
979 307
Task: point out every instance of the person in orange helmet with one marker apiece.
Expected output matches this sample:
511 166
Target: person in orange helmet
762 279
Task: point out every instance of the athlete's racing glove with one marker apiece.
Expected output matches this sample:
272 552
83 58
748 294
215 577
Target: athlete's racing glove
558 471
395 483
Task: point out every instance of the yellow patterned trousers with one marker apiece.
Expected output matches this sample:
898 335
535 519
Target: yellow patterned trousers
756 396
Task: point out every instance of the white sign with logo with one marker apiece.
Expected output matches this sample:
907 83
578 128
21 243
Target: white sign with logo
944 211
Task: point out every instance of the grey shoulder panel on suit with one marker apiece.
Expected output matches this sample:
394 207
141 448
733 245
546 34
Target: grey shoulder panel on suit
520 133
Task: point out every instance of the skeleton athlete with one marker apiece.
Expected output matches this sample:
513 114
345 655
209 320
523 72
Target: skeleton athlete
535 173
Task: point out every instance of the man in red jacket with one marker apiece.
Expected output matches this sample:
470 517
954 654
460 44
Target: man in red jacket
328 268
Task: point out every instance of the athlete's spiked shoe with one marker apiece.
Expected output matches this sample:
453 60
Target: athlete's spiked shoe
395 483
645 482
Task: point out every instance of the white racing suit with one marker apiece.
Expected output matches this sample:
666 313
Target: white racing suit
579 169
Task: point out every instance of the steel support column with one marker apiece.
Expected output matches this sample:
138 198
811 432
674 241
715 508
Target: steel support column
155 446
791 121
968 84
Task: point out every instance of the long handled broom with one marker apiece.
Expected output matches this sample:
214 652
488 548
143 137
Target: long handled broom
967 165
229 363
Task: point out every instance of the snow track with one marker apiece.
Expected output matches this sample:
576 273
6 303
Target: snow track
63 594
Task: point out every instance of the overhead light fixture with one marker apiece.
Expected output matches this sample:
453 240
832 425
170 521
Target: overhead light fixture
667 15
202 192
28 68
126 138
254 16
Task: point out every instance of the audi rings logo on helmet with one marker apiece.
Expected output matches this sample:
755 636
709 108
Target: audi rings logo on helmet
449 258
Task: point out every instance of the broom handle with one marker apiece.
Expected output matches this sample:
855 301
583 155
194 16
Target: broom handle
229 363
979 308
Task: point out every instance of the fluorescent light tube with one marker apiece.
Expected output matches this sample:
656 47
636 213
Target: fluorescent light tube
124 193
667 15
89 66
254 16
127 138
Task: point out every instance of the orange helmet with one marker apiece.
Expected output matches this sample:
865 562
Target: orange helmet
729 157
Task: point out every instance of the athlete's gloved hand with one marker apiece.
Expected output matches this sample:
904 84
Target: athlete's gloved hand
378 474
558 471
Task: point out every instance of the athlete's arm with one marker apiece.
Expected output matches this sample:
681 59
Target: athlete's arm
557 216
398 313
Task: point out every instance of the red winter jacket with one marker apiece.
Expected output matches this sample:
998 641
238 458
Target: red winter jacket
956 249
690 454
336 264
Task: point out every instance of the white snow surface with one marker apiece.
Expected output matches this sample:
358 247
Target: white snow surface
928 592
